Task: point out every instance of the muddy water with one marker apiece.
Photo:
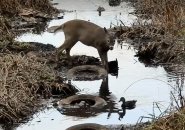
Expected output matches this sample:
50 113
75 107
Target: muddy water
147 85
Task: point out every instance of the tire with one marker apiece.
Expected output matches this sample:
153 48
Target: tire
99 73
98 101
87 126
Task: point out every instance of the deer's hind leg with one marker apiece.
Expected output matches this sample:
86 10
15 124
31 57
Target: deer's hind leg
67 45
60 50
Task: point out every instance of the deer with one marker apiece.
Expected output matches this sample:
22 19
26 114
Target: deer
87 33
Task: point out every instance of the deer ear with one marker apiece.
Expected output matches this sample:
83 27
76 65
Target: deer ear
105 29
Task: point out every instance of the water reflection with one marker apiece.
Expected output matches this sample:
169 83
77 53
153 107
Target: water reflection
105 94
113 68
176 78
86 111
104 89
111 104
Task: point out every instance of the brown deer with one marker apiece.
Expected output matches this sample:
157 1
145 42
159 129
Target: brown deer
89 34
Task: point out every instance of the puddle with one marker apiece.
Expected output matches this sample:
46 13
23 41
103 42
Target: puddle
134 82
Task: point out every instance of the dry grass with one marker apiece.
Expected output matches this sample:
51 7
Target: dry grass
13 7
6 34
12 10
174 121
169 14
159 32
20 77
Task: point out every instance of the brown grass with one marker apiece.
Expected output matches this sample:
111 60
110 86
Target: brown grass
169 14
12 10
174 121
13 7
159 32
6 34
20 77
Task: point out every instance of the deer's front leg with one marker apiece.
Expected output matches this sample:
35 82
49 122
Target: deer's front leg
104 59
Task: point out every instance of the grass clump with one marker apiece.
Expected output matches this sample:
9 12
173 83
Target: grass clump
174 121
14 12
169 14
158 33
5 26
13 7
20 77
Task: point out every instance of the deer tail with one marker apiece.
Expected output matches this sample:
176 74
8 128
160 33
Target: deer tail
55 29
59 28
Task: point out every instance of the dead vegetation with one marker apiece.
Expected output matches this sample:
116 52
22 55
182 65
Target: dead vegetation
20 77
24 79
17 16
29 73
173 118
14 7
174 121
6 34
168 14
158 33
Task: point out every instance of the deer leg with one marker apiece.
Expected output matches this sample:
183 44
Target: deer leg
68 56
60 51
68 49
67 45
104 59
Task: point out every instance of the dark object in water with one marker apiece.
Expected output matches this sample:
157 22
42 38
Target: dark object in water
122 114
128 104
83 105
113 67
95 102
66 90
55 3
100 9
86 72
60 17
114 2
42 47
87 126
